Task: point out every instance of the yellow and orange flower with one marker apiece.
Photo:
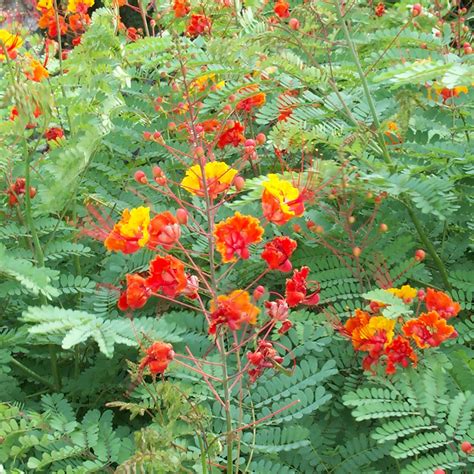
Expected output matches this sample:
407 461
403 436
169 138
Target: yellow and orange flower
34 70
11 43
131 232
376 331
232 310
281 201
235 234
256 100
406 293
429 330
79 6
218 178
42 5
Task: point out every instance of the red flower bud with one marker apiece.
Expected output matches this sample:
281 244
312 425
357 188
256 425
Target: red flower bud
294 24
239 183
258 292
383 227
260 139
466 447
420 255
182 216
140 177
147 136
416 9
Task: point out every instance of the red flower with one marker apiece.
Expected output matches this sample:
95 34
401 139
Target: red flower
429 330
211 125
167 274
181 8
198 25
400 352
233 135
248 104
278 252
136 294
54 133
17 189
164 230
296 289
232 310
442 303
282 9
380 9
265 357
235 234
132 34
158 356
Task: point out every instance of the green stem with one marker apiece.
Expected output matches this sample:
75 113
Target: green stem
228 418
386 155
203 456
32 374
429 246
364 83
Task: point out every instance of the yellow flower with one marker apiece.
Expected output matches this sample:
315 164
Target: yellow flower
10 43
76 5
392 126
201 82
377 324
44 4
218 176
131 232
280 200
406 292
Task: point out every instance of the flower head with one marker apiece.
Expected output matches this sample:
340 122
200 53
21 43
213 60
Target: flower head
429 330
11 44
79 6
198 25
232 310
158 356
264 357
249 103
281 201
233 134
131 232
235 234
282 8
400 352
442 303
373 335
297 288
277 253
218 178
406 293
136 294
54 133
167 275
164 230
181 8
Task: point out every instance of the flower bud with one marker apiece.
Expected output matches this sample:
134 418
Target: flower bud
466 447
260 139
239 183
356 251
140 177
383 227
147 136
421 295
171 126
416 9
249 143
294 24
182 216
258 292
420 255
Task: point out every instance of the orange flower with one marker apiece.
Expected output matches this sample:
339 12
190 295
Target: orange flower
277 253
282 9
198 25
167 275
131 232
181 8
235 234
428 330
35 71
158 356
136 294
442 303
249 103
233 134
399 351
374 335
380 9
211 125
354 324
11 44
281 201
164 230
218 176
78 22
233 310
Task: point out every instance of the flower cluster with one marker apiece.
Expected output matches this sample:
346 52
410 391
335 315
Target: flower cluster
393 342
